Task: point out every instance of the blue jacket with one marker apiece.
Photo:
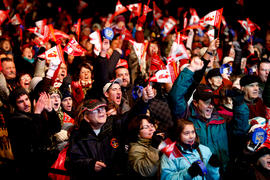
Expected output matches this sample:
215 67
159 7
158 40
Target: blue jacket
212 133
177 168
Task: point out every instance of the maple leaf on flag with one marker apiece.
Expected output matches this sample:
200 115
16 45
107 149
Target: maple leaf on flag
119 9
73 48
211 34
3 16
178 52
95 38
213 18
168 26
194 18
16 20
157 13
135 9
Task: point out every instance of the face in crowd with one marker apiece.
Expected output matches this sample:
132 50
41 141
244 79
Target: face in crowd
114 94
85 74
251 91
188 135
8 69
27 53
62 72
123 73
25 81
23 103
215 82
67 103
147 129
205 108
55 101
96 118
263 71
264 161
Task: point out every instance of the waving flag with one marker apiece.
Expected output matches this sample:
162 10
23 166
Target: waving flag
41 25
140 51
161 76
211 34
135 9
178 52
16 20
53 54
168 26
157 13
73 48
146 9
3 16
170 149
119 9
95 39
213 18
194 18
156 63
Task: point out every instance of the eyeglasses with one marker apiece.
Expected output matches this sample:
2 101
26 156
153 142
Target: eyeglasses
147 126
98 110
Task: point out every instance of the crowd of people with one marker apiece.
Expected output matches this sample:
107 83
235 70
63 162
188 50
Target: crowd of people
110 118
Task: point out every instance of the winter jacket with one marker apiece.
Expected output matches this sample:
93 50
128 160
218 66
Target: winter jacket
177 168
143 158
212 132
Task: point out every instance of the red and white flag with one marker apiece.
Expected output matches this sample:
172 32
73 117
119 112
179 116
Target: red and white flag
53 54
194 18
140 51
157 13
16 20
161 76
3 16
60 34
119 9
78 28
126 34
135 9
211 34
178 52
146 9
252 26
213 18
95 38
122 63
160 23
73 48
169 25
41 25
170 149
67 118
156 63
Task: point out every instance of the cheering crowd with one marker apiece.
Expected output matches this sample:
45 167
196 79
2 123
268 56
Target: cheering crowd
135 94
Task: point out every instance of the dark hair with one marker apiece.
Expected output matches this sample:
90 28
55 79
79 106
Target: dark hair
85 65
6 59
134 126
15 94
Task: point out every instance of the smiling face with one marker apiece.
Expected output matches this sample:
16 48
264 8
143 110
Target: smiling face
204 108
114 94
265 161
188 135
124 75
27 52
8 69
56 101
146 129
85 74
251 91
25 81
215 82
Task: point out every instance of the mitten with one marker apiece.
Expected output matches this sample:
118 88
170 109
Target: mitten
156 140
195 170
237 96
61 136
214 161
52 67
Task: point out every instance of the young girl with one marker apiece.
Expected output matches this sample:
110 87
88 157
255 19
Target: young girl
184 166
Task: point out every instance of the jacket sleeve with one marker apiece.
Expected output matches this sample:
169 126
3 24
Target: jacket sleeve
112 63
169 170
178 91
266 93
240 117
144 162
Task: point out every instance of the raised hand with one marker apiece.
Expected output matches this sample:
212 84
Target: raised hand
99 166
195 64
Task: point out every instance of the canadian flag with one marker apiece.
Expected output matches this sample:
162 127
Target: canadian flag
211 34
122 63
178 52
157 13
95 38
41 25
169 25
135 9
46 33
194 18
180 38
249 26
73 48
3 16
170 149
60 34
119 9
161 76
16 20
78 28
140 51
53 54
213 18
146 9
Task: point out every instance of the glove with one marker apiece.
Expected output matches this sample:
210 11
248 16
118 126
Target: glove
195 170
52 67
237 96
214 161
61 136
156 140
41 51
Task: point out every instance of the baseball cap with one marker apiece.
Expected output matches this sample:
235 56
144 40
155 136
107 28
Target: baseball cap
203 92
92 104
109 84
